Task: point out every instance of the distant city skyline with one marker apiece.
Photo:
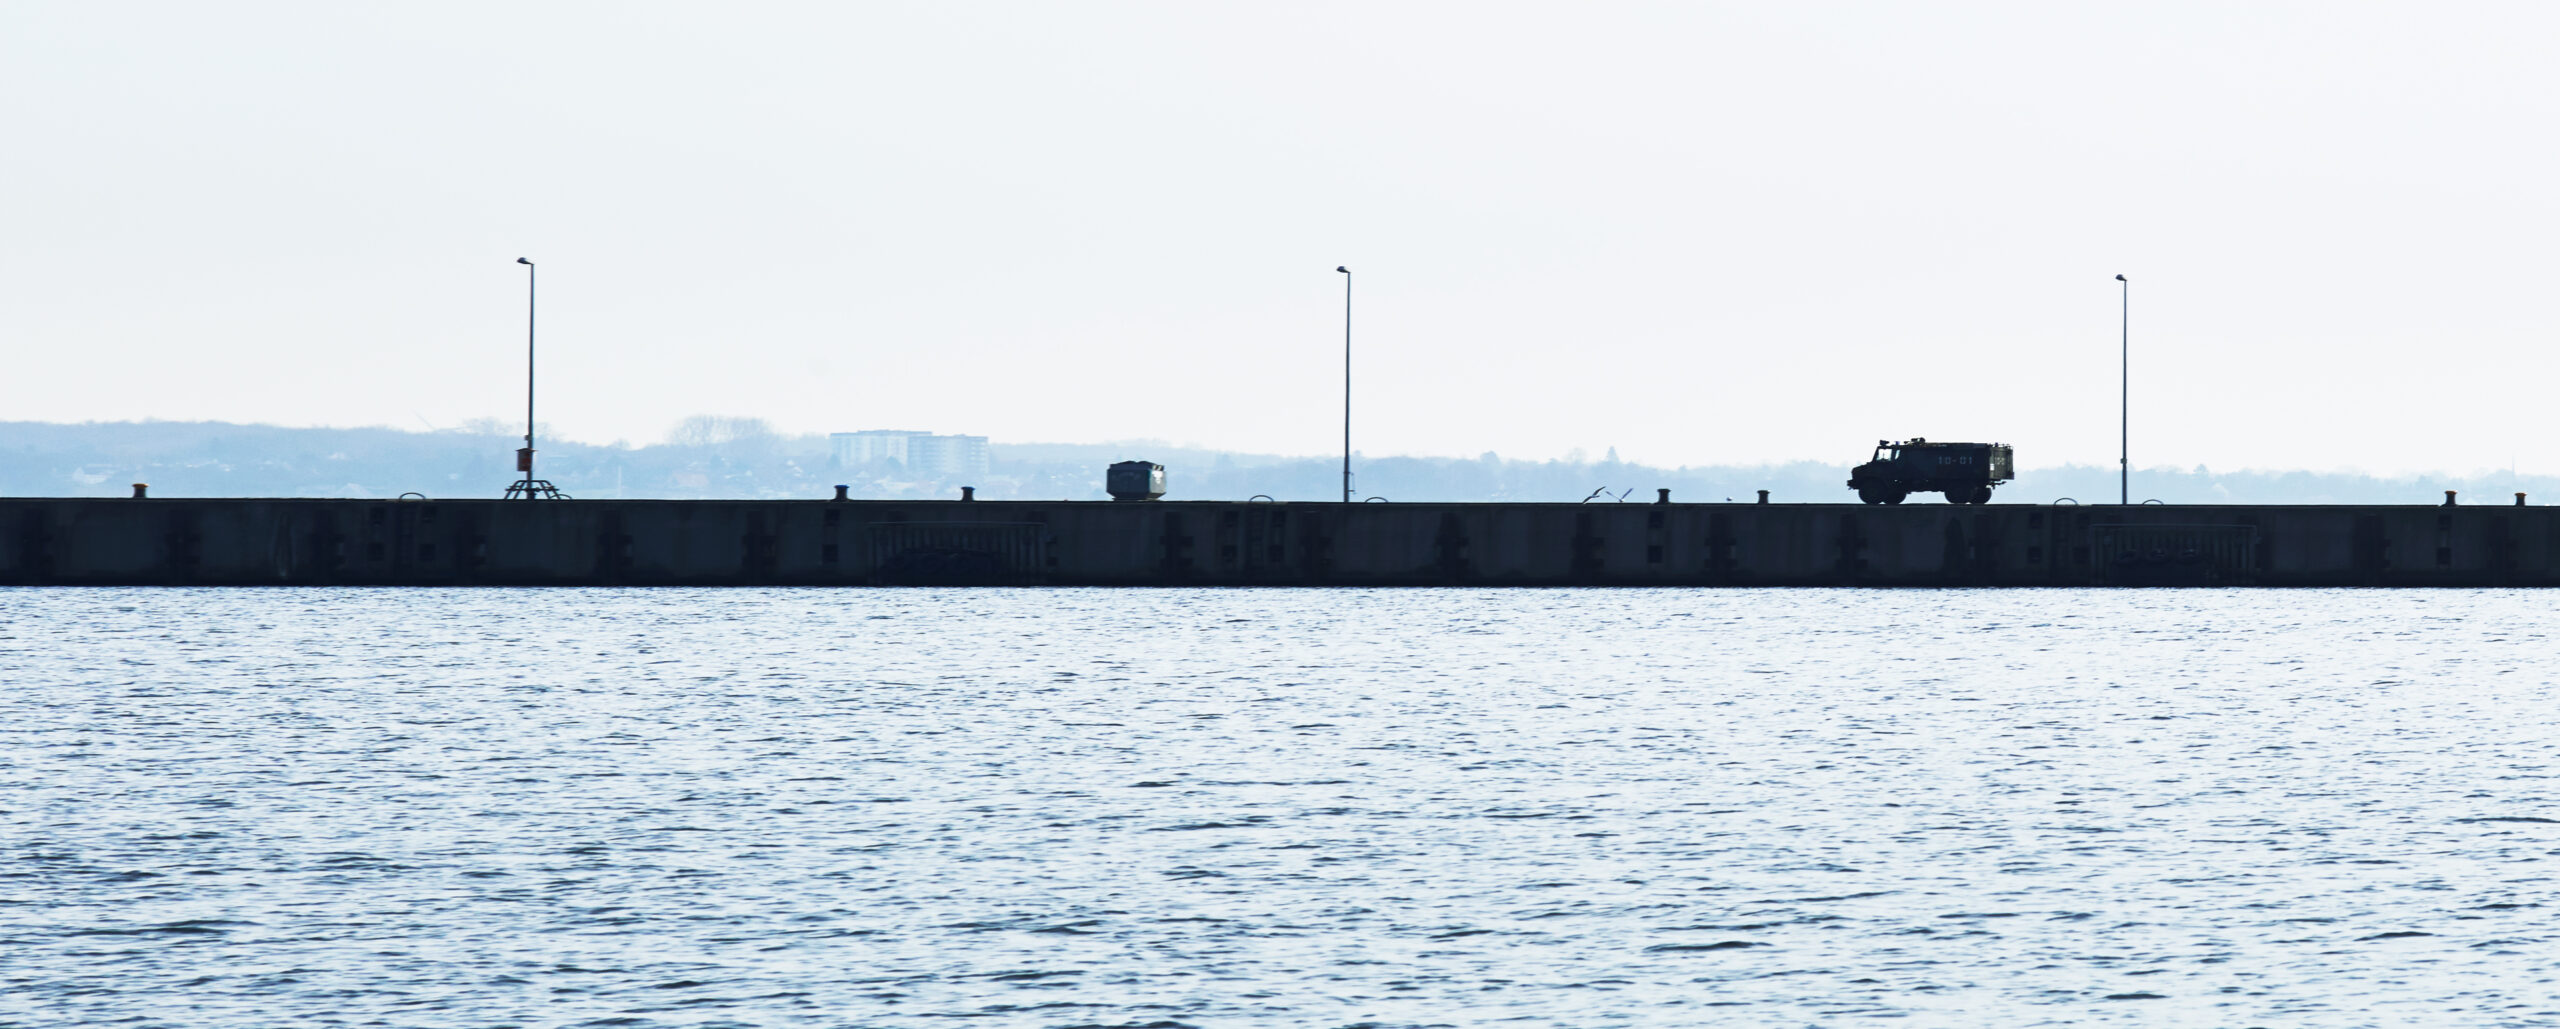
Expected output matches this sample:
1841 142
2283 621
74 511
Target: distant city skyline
945 456
1700 234
727 457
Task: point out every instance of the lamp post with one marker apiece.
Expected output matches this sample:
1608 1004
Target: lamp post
2124 428
527 486
524 458
1346 382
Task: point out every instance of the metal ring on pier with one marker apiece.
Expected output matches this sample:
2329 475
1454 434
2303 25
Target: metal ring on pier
2073 501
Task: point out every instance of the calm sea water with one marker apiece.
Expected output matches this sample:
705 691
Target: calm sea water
1268 808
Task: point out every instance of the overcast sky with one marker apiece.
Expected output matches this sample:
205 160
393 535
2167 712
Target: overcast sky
1700 233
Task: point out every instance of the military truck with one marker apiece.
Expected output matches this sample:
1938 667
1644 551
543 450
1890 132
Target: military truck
1965 472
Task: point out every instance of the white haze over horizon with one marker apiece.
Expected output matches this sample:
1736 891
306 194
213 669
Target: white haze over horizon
1701 234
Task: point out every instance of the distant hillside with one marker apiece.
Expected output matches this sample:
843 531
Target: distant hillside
721 457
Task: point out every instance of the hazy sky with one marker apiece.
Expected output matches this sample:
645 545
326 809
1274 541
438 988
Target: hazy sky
1700 233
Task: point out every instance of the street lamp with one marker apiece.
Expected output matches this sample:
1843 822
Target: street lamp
528 487
1346 382
2124 429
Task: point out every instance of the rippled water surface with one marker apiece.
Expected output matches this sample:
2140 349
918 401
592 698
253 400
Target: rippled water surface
1276 808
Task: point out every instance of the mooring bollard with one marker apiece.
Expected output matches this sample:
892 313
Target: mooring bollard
840 492
1663 496
2448 498
2519 500
1764 496
968 492
141 490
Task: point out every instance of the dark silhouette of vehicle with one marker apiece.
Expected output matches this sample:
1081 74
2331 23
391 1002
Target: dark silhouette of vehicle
1965 472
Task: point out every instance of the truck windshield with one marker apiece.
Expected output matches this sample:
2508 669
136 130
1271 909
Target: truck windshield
1888 453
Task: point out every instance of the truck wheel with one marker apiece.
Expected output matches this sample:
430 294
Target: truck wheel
1894 496
1868 496
1960 496
1982 494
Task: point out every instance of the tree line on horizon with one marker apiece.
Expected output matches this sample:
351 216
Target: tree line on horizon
713 457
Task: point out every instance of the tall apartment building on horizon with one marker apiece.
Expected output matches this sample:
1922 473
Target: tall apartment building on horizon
920 453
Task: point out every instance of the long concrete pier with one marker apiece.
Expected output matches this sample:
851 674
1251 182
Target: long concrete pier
239 542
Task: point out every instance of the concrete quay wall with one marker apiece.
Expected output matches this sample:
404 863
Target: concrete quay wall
763 542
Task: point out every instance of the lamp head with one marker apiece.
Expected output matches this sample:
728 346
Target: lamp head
2119 278
524 261
1343 270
